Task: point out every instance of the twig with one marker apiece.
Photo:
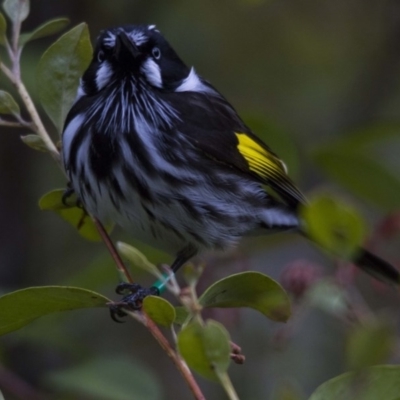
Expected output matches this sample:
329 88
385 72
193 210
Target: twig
176 359
113 251
227 384
37 124
142 317
12 124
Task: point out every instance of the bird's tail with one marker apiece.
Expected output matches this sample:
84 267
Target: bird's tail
378 268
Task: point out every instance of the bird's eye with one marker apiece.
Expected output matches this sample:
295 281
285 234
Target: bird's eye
100 56
156 53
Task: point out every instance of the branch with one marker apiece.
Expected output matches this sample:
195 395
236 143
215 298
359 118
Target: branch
12 124
113 251
37 124
143 318
176 359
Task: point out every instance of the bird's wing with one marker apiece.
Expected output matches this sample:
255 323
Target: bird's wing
214 127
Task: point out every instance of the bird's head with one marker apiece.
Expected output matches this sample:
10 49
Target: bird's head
139 53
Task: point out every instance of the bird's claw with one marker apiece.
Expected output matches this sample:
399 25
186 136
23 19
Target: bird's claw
133 300
68 192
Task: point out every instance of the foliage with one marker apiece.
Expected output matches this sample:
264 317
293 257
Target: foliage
204 343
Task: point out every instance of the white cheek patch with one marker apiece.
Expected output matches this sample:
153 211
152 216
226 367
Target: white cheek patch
103 75
192 83
152 72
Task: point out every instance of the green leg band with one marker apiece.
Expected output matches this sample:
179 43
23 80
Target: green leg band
161 284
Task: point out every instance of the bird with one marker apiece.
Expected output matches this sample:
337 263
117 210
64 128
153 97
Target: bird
154 147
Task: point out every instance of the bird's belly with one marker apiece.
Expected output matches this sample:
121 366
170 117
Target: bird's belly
137 218
173 218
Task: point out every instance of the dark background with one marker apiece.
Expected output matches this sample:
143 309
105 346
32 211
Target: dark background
305 72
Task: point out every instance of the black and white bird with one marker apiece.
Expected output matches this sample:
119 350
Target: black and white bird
152 146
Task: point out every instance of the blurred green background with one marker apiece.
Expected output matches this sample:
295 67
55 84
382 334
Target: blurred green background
319 81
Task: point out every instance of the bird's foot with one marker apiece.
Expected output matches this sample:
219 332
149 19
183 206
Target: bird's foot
134 295
69 198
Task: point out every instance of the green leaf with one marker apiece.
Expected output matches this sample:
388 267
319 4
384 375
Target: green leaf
366 138
206 349
380 382
21 307
333 225
249 289
47 29
3 29
73 214
369 344
329 297
181 314
35 142
17 10
53 201
8 104
159 310
59 71
362 175
138 259
365 161
192 274
1 396
108 378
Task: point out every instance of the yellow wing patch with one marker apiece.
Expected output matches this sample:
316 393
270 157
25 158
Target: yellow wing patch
267 166
260 160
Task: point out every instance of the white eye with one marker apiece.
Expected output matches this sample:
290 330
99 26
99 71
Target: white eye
156 53
100 56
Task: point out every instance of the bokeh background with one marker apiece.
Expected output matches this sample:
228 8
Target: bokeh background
305 74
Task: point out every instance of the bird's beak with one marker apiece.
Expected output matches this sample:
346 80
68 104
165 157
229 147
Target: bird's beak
125 47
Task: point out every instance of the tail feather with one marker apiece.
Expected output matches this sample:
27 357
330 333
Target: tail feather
378 268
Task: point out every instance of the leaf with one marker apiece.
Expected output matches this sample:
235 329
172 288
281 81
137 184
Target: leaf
369 152
53 201
369 344
205 348
159 310
329 297
59 71
21 307
192 274
181 314
362 175
73 214
47 29
108 378
1 396
379 382
333 225
138 259
35 142
365 139
3 29
8 104
249 289
17 10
